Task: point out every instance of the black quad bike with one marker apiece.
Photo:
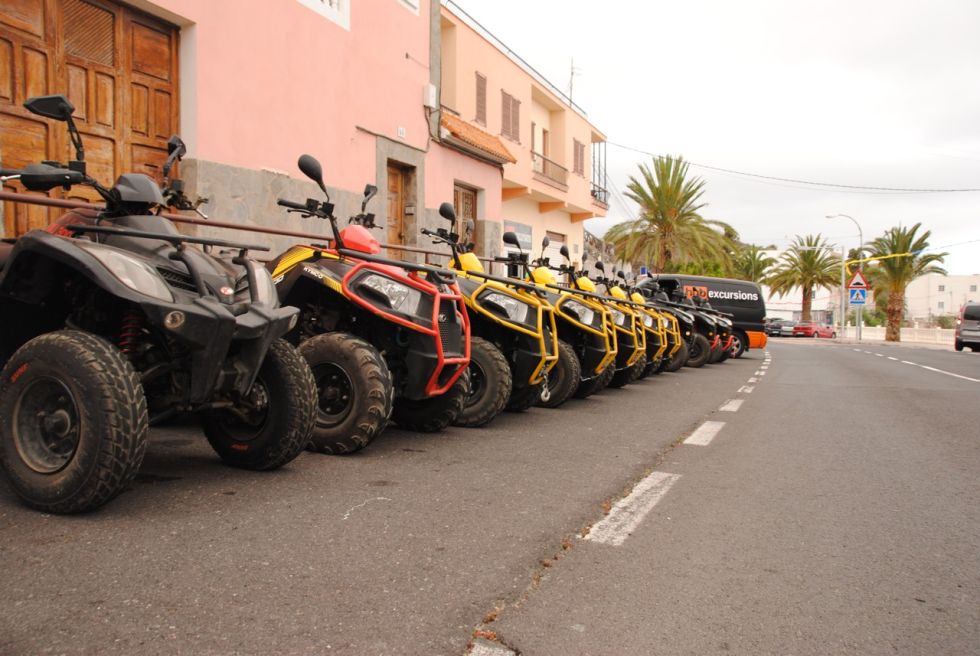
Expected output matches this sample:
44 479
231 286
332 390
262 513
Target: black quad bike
682 322
385 338
113 322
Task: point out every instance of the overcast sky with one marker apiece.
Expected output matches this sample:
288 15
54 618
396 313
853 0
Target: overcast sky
869 93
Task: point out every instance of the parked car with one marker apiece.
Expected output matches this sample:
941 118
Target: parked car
774 327
968 328
813 329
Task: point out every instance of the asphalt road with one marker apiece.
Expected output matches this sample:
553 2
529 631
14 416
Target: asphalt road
834 512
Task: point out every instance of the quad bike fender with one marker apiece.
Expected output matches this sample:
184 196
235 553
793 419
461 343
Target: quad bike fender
34 269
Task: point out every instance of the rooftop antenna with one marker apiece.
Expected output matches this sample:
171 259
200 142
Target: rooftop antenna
571 79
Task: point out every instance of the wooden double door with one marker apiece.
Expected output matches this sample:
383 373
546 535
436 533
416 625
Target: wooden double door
117 66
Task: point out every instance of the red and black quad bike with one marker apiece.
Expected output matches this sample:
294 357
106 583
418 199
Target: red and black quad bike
705 343
725 330
112 324
384 337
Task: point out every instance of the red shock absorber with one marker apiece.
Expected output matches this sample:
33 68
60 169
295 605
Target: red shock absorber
132 324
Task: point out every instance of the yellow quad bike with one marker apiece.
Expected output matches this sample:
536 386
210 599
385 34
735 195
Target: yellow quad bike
513 343
586 334
630 333
668 341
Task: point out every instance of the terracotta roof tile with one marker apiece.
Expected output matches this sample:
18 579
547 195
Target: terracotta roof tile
475 137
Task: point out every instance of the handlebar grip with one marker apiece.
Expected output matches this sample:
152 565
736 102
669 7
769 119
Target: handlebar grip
428 233
6 172
291 205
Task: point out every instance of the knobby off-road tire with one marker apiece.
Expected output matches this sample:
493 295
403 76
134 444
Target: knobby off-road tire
273 424
587 388
606 377
715 354
354 392
432 414
699 353
564 376
490 384
679 359
74 422
522 399
624 377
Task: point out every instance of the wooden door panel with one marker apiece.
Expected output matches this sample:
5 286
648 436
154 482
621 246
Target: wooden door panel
118 67
396 205
6 71
24 15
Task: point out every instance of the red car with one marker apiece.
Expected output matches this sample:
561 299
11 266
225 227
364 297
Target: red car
811 329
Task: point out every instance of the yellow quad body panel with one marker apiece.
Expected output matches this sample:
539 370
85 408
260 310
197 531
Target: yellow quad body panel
296 255
545 316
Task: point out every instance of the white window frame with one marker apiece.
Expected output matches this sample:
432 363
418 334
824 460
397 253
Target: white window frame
336 11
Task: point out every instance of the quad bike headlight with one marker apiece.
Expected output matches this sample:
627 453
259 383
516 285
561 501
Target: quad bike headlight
397 296
619 318
515 310
647 321
580 311
130 271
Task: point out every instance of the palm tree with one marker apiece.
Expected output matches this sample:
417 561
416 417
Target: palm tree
808 264
669 231
891 275
752 263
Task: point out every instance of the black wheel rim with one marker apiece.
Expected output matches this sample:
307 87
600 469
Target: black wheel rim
335 394
478 383
46 425
246 420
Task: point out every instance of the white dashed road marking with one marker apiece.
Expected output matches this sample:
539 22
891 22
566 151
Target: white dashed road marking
891 358
484 648
907 362
626 515
705 433
747 389
753 380
732 405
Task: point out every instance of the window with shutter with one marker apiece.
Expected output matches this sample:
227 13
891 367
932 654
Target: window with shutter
579 157
505 119
481 99
515 120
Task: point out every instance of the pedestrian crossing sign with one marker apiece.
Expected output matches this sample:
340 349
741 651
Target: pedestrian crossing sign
858 296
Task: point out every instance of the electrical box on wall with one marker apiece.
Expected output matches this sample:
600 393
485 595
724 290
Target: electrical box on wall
430 96
409 210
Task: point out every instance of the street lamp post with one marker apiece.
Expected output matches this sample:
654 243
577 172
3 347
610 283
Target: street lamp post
860 308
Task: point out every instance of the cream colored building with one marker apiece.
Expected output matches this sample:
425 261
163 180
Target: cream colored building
554 177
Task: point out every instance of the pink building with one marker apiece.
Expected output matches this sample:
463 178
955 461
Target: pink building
381 91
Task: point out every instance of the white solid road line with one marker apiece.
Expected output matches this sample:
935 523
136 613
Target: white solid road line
940 371
922 366
731 405
705 433
626 515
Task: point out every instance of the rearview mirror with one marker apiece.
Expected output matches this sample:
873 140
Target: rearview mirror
175 150
311 168
510 238
620 274
369 191
545 242
585 257
57 107
598 265
448 212
564 251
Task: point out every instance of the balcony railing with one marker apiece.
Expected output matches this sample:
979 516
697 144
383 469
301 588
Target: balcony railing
600 196
551 170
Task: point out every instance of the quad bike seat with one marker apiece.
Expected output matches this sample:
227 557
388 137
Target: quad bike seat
5 248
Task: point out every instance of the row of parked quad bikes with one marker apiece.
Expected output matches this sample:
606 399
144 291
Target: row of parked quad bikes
113 321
